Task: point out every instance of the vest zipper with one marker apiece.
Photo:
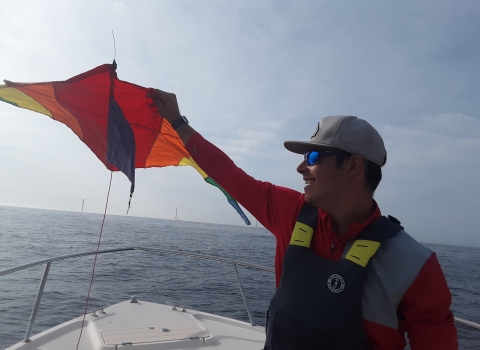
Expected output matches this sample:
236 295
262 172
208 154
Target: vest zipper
332 247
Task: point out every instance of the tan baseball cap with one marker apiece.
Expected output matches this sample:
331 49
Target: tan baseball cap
345 132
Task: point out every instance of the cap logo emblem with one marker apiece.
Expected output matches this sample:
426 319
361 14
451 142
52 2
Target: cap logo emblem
336 283
316 131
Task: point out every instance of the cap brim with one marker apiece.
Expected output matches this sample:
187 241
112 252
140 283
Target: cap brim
301 147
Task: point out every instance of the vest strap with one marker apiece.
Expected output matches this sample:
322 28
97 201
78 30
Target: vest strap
306 222
302 235
369 240
361 251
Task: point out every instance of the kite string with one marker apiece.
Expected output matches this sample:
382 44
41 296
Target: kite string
95 261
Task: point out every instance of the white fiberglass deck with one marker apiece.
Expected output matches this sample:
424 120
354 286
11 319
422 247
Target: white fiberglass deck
144 326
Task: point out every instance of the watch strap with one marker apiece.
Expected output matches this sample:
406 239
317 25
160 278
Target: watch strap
179 122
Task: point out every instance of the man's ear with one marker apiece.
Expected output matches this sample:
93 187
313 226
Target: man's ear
355 163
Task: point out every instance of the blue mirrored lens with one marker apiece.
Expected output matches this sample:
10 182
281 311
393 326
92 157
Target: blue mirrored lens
311 157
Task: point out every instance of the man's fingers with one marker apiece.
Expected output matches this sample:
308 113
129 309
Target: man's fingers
160 91
165 103
162 95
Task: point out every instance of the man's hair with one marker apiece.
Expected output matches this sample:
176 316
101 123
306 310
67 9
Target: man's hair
373 171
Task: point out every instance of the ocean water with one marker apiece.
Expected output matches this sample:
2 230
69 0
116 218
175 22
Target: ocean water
28 235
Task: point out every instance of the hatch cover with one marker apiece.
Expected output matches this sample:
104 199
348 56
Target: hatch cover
153 334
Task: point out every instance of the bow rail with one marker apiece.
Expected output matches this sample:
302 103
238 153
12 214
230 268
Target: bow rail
49 261
234 263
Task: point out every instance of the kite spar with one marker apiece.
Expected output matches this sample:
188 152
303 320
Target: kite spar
114 118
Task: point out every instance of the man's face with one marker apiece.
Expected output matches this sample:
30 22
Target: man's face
323 182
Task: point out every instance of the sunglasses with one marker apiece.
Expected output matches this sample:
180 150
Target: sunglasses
315 157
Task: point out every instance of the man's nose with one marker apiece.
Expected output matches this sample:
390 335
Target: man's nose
302 167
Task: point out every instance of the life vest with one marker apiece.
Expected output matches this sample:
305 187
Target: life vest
318 304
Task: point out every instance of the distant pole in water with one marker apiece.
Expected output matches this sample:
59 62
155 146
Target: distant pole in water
83 202
176 212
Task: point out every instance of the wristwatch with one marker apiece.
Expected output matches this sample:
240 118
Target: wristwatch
179 122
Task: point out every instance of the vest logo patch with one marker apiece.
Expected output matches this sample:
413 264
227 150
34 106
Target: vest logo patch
336 283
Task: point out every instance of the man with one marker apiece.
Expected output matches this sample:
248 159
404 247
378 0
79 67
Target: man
347 278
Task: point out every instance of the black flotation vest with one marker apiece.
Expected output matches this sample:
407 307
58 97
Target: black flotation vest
318 302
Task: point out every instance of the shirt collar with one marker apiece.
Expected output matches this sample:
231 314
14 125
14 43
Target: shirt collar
355 227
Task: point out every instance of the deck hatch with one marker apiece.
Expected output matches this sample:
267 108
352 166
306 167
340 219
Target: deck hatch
153 334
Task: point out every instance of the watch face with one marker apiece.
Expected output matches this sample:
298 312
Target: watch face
178 122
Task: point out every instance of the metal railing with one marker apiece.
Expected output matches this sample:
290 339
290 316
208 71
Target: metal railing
234 263
49 261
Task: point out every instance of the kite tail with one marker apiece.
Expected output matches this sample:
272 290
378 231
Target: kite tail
132 188
234 204
230 199
129 202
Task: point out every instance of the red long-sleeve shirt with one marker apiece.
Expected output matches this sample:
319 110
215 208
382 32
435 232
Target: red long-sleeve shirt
424 311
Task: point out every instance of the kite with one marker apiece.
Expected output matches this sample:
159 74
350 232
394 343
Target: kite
114 118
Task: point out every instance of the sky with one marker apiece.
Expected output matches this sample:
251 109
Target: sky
248 75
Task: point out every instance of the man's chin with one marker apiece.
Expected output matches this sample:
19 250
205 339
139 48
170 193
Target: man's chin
312 201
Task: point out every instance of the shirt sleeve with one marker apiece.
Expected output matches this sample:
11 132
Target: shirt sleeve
271 205
424 311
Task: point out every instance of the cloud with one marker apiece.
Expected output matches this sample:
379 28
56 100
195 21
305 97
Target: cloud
441 140
449 124
119 7
251 74
272 125
261 136
238 141
247 142
431 179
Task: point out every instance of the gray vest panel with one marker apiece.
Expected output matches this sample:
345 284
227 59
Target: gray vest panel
392 271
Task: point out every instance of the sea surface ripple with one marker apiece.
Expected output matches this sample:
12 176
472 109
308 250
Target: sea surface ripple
27 235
